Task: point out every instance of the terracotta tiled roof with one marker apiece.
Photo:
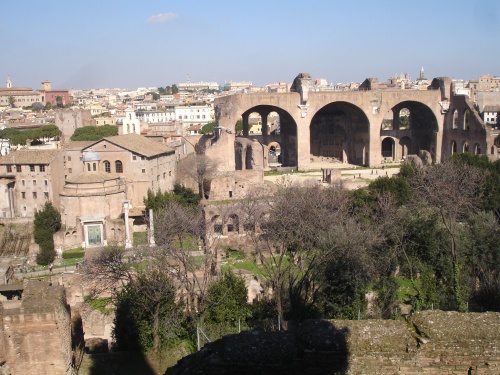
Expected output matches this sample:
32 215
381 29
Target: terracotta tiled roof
76 145
139 144
491 108
29 157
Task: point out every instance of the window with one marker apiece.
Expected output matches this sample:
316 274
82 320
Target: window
118 166
32 168
18 168
42 168
46 183
46 194
158 177
34 195
169 173
9 168
107 166
70 170
22 182
34 182
143 170
94 167
23 195
69 158
88 167
134 157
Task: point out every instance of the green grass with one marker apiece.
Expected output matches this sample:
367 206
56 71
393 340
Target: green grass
406 289
140 238
79 252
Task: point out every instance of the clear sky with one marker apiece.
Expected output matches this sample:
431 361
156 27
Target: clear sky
135 43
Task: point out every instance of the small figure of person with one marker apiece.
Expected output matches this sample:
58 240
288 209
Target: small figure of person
50 267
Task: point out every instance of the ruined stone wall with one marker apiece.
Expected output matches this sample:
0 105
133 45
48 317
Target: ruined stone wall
431 342
37 336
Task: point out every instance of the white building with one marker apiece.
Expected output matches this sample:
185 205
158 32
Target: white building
156 116
194 115
129 123
196 86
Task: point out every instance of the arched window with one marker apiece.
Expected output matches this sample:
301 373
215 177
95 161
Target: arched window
387 148
107 166
118 166
466 119
453 147
465 148
404 119
477 149
455 119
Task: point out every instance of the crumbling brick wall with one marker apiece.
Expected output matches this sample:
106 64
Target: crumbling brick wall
431 342
37 336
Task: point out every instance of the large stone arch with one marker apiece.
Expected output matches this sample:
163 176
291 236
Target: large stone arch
340 131
418 131
285 132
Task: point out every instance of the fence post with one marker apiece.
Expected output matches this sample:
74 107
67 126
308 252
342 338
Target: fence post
198 335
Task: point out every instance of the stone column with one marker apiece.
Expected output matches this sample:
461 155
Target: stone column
152 241
128 242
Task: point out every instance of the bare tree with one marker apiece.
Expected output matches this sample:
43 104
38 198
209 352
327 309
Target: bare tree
304 228
454 190
107 271
200 168
185 251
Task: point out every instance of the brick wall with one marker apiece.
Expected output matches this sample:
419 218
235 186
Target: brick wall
431 342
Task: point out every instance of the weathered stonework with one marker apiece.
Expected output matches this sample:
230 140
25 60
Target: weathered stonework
36 337
356 117
430 342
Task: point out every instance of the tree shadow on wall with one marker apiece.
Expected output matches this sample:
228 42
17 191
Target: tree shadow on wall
313 347
125 359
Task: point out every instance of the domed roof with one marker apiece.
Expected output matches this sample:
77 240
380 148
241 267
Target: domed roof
90 156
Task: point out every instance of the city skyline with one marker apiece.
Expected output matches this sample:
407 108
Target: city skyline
130 44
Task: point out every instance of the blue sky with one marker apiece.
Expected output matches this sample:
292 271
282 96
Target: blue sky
136 43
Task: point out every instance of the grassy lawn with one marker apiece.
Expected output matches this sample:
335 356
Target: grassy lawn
140 238
406 289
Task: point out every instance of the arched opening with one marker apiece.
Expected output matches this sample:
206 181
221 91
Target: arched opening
107 166
254 124
414 129
233 224
467 120
388 122
477 149
404 122
453 147
455 119
465 147
248 158
276 125
339 133
118 166
388 148
492 150
274 152
217 224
